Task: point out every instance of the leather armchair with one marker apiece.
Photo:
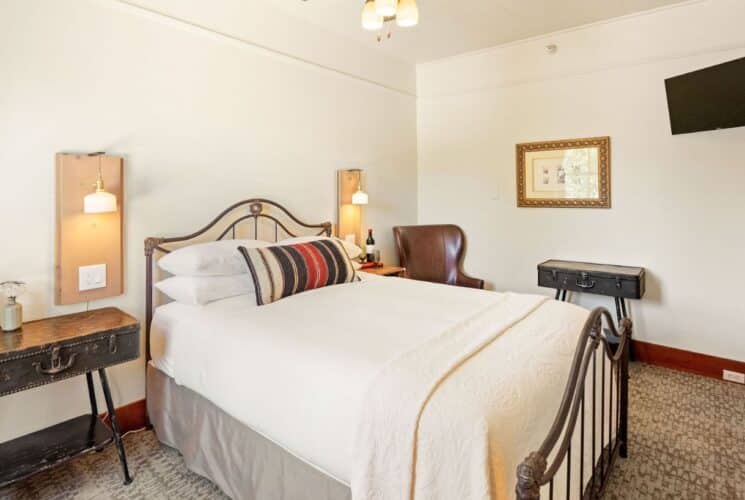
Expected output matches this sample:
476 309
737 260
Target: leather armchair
434 253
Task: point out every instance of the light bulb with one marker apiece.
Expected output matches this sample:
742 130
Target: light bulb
386 8
370 19
408 14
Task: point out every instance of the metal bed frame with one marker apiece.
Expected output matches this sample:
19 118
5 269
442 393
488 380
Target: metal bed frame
535 472
539 470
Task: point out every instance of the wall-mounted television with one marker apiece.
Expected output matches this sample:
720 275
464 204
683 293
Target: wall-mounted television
707 99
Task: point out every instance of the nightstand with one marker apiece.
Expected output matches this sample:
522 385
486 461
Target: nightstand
386 271
54 349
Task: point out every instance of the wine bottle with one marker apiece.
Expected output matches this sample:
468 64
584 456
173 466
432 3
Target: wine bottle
370 246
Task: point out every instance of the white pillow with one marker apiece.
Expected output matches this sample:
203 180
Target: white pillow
201 290
352 250
216 258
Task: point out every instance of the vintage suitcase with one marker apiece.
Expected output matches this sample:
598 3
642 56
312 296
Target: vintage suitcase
601 279
67 346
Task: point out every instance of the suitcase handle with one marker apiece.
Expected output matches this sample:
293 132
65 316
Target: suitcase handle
584 283
56 366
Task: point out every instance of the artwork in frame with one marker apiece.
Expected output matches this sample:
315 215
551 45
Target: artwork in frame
571 173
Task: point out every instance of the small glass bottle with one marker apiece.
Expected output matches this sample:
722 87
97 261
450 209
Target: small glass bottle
12 314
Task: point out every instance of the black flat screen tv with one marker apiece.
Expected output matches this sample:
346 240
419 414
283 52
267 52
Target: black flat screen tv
707 99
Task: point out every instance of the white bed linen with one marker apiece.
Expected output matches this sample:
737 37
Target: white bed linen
297 370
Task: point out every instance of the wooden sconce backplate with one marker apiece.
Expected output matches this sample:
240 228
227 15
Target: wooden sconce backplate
87 239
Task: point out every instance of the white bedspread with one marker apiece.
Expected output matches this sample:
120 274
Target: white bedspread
298 372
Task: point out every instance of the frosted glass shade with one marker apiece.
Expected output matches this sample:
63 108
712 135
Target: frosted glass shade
360 198
370 19
386 8
408 14
99 202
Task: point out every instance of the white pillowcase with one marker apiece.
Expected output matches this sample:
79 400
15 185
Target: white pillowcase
201 290
352 250
215 258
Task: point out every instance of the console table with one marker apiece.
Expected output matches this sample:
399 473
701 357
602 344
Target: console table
53 349
619 282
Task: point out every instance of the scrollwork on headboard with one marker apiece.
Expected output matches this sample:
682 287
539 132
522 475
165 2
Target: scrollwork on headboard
227 224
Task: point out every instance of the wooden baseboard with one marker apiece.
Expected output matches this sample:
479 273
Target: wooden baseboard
130 417
687 361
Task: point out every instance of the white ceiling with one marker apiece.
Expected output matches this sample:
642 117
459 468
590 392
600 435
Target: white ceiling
450 27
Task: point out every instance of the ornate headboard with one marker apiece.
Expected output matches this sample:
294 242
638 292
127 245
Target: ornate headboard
256 218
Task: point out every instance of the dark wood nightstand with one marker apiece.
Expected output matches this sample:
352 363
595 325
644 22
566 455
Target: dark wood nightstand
386 271
53 349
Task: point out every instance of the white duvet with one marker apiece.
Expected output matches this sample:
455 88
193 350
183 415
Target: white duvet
302 372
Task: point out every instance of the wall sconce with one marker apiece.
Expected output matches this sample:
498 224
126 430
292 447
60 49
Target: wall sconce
351 199
99 202
89 264
360 197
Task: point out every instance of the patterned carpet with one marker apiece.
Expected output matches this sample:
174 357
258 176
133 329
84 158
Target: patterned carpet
687 441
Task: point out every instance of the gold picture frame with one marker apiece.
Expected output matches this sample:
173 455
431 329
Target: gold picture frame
570 173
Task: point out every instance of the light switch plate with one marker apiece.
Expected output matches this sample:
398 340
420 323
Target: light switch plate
91 277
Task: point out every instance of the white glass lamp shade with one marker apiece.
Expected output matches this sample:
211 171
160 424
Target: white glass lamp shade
370 19
99 202
386 8
408 14
360 198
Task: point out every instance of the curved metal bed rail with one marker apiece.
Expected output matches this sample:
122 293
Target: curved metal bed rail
256 211
536 470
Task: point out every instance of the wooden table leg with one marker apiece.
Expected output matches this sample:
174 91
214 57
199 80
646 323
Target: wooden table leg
114 425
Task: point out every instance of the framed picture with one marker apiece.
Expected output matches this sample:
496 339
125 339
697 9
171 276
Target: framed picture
568 173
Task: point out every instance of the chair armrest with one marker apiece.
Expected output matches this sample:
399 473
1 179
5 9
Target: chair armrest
467 281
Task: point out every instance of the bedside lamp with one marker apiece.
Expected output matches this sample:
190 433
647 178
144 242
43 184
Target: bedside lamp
360 197
351 200
99 201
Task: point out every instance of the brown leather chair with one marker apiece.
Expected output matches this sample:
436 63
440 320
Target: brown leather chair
434 253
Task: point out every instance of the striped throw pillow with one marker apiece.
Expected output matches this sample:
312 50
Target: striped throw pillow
283 270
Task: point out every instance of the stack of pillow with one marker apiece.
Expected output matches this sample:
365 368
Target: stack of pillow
206 272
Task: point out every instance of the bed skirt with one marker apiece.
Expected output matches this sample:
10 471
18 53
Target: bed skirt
243 463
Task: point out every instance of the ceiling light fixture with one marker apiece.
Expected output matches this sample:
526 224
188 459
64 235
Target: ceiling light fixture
376 13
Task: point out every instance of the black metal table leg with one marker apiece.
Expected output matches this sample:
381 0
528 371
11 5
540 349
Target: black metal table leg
558 292
623 308
91 393
564 295
618 309
94 407
114 425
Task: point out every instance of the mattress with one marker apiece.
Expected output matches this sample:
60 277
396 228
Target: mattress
296 371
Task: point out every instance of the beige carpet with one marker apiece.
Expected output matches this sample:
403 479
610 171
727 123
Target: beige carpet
687 441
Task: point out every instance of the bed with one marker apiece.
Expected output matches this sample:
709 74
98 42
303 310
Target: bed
384 388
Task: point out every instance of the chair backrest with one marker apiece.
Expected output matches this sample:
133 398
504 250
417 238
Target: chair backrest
433 253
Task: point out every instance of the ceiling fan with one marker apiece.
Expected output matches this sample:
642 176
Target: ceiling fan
378 13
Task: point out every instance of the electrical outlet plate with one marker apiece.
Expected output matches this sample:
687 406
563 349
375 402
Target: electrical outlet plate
91 277
731 376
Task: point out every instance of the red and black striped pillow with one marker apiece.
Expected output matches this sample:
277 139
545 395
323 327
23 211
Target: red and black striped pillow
282 270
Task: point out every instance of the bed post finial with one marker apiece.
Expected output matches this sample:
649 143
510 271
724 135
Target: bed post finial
529 474
150 244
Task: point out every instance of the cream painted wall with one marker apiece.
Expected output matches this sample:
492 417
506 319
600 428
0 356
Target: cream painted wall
202 120
678 202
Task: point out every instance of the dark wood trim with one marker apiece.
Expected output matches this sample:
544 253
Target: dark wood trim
130 417
687 361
